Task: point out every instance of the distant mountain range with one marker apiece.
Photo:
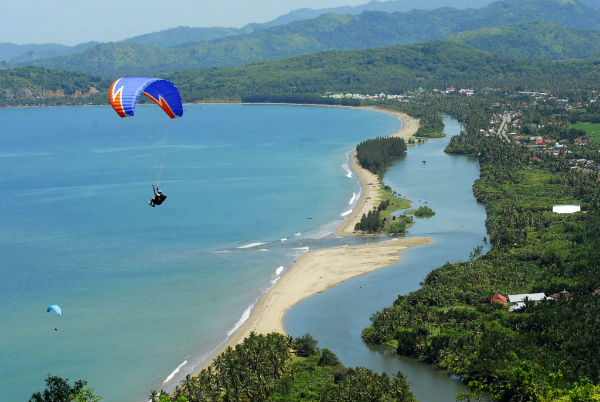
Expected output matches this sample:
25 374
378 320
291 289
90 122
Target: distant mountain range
23 53
10 52
564 38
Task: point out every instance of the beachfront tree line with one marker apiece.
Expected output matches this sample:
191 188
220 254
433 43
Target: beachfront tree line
276 367
547 351
59 390
376 154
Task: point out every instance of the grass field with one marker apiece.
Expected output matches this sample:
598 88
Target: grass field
592 130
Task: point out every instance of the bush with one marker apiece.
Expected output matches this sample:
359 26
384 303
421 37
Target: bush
305 346
328 358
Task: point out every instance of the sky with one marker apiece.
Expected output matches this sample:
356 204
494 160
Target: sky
70 22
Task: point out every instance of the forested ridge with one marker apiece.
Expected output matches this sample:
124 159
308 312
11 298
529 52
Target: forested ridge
391 70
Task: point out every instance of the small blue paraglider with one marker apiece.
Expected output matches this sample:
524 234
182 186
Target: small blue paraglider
56 308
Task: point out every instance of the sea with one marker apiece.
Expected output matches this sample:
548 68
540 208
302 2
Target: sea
148 295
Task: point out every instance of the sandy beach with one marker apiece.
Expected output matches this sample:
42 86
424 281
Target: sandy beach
319 270
370 182
315 272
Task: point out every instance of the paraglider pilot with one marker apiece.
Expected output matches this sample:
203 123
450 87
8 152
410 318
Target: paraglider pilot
158 197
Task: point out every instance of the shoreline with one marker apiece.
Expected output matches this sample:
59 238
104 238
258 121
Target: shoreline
369 198
316 272
319 270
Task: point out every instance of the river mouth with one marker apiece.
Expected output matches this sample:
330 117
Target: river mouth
337 317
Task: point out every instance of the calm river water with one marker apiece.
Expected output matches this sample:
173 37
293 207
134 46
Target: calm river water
336 318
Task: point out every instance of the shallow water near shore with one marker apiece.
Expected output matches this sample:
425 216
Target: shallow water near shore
148 294
336 318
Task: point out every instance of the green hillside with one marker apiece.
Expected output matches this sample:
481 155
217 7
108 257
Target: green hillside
391 70
181 35
345 32
35 85
533 40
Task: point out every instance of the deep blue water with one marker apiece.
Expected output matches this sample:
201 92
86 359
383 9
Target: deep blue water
144 289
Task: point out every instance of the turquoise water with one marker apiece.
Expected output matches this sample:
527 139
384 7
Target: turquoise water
337 317
142 289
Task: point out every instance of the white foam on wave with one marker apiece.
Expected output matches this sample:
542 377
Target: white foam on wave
279 270
284 239
242 320
174 372
346 213
274 280
302 248
252 245
123 149
354 198
297 234
22 154
346 167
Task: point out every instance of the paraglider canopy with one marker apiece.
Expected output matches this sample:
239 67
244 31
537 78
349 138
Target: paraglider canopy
56 308
125 92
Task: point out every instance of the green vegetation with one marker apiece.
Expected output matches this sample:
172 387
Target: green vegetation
39 86
381 220
533 40
377 154
389 70
58 390
539 352
591 130
424 212
394 70
430 125
275 367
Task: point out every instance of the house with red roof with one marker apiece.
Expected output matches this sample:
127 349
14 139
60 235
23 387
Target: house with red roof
498 298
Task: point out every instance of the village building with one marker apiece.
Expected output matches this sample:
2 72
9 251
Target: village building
498 298
566 209
518 301
563 293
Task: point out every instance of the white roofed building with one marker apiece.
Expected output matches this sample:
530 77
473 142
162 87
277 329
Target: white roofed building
566 209
518 301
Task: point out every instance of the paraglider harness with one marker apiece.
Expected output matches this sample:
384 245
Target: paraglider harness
158 197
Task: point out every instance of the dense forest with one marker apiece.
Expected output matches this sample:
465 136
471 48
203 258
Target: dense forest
376 154
533 40
540 352
276 367
392 70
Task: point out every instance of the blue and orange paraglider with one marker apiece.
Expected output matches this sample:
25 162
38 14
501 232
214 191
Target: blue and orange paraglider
124 95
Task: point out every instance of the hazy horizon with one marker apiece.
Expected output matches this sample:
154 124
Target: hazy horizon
71 22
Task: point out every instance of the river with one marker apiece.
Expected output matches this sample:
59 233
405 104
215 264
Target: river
427 176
